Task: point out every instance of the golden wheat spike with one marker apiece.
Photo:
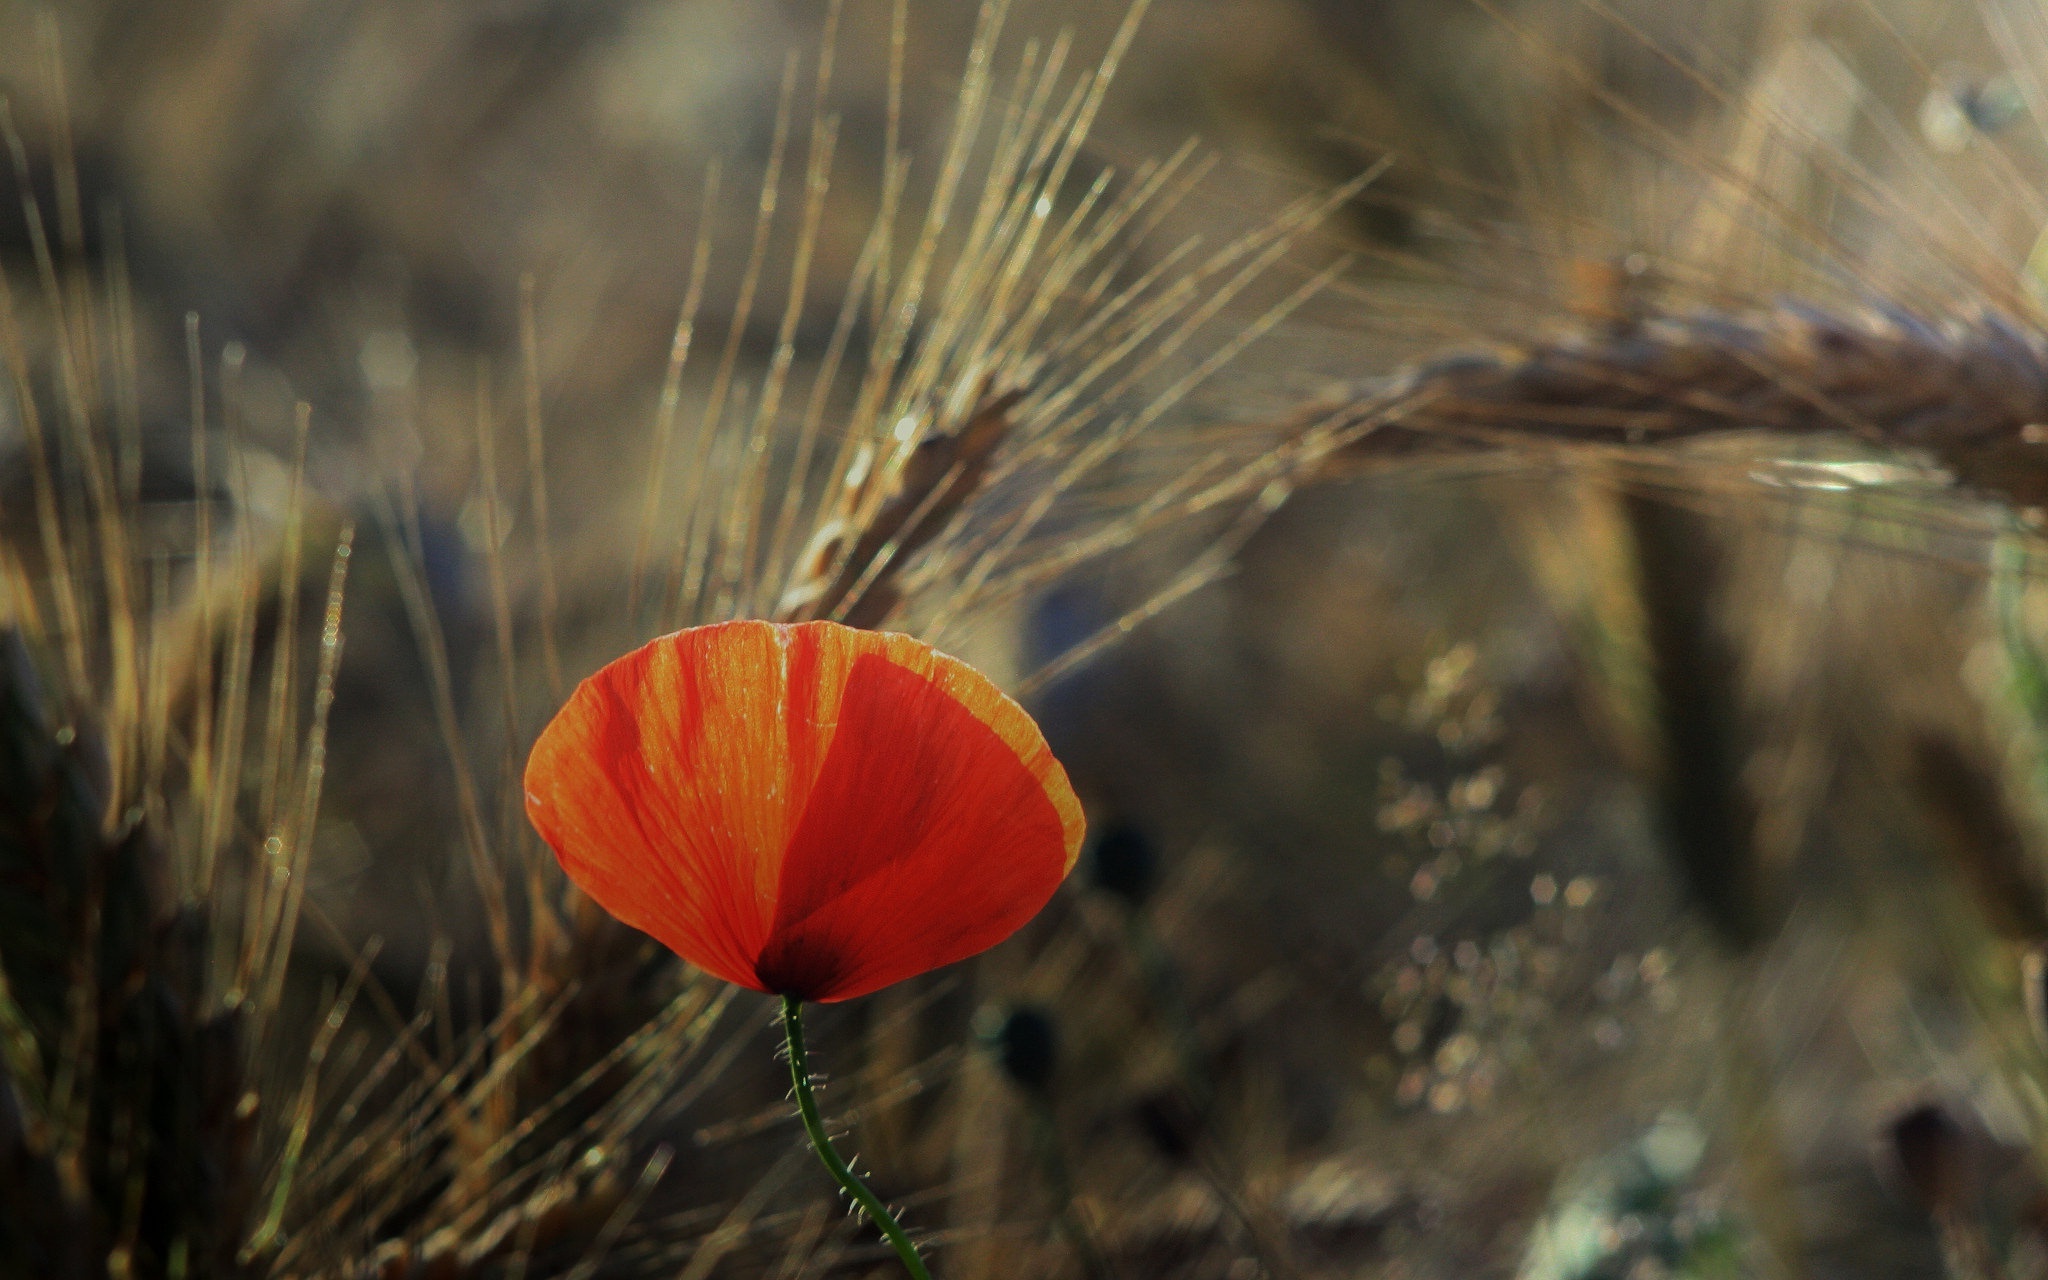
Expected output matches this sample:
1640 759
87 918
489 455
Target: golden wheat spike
1971 394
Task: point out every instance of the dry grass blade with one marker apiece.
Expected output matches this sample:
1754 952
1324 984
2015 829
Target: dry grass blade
156 812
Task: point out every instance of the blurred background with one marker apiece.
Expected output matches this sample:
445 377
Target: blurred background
1544 851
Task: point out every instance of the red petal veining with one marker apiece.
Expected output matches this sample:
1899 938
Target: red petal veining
811 810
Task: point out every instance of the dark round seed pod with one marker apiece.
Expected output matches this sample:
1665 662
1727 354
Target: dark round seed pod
1171 1121
1124 863
1026 1046
1931 1150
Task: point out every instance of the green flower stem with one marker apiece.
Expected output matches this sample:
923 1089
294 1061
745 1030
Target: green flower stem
821 1142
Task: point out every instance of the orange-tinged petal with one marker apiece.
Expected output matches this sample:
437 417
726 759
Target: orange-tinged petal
810 810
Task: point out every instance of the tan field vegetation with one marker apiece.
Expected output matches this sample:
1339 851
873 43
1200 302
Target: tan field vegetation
1521 517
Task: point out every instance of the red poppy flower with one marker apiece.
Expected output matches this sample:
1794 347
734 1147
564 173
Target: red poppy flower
808 810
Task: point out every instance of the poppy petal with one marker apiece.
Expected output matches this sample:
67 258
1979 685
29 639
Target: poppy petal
660 783
925 840
811 810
